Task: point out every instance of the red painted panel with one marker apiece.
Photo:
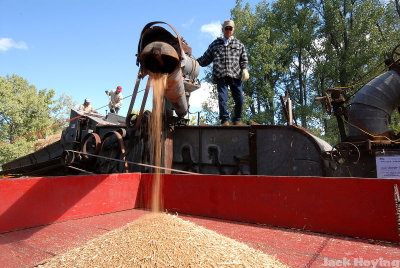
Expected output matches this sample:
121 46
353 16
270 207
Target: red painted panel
32 202
349 206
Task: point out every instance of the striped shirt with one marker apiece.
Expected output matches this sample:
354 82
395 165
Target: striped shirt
228 60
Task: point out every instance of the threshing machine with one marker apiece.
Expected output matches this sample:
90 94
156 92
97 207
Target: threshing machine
96 144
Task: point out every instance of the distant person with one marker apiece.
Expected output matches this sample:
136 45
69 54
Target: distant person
230 68
115 99
86 107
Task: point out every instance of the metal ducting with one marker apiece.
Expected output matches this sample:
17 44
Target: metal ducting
374 103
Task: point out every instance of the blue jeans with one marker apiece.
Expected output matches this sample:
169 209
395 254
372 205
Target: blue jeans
235 86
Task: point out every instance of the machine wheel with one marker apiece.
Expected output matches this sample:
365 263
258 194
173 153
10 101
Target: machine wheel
347 153
112 147
91 144
67 158
122 131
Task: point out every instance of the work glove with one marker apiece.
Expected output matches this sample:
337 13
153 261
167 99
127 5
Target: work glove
106 92
245 75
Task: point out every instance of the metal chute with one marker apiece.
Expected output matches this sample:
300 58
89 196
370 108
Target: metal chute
374 103
160 52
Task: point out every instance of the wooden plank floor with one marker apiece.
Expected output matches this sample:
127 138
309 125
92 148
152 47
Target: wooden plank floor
29 247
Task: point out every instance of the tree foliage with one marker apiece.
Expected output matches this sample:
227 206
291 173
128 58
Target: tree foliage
307 47
24 111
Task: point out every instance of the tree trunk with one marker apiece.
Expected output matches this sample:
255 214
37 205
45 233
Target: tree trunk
303 116
325 126
272 114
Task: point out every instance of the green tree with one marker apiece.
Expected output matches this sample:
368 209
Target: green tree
297 22
355 37
268 62
308 47
24 111
265 65
209 115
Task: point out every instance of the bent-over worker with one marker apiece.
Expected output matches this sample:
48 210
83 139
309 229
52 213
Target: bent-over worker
115 99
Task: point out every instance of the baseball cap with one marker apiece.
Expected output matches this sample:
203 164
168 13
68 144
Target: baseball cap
228 23
87 100
119 88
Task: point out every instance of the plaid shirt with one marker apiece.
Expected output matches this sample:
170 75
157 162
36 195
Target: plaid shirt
228 60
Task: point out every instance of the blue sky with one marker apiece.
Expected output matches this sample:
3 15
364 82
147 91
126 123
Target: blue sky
83 47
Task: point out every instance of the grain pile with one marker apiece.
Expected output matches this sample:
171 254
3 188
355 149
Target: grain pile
161 240
41 143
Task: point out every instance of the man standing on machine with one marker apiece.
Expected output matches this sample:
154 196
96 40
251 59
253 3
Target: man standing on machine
115 99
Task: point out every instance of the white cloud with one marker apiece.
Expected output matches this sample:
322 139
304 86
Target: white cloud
8 43
213 29
198 97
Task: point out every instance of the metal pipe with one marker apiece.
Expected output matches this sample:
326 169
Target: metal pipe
374 103
160 52
159 57
175 92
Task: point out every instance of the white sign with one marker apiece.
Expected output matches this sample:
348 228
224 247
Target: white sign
388 166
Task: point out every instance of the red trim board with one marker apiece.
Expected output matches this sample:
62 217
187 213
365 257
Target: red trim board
28 202
356 207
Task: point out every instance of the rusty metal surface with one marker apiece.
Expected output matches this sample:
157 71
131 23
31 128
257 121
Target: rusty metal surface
212 150
285 151
159 57
175 92
91 143
261 150
133 99
159 52
167 150
151 33
140 115
112 146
